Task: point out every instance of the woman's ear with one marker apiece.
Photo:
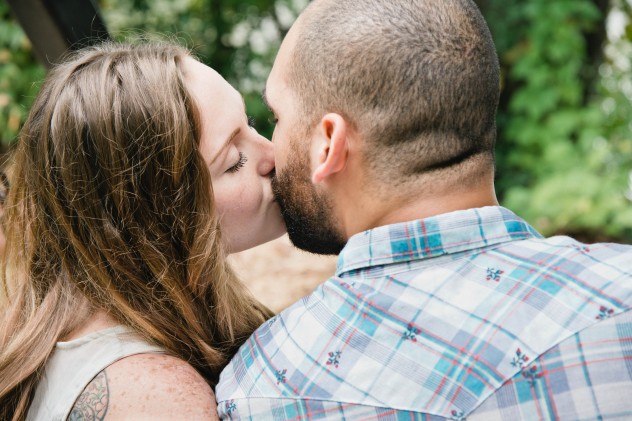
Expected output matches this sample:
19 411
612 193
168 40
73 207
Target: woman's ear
332 148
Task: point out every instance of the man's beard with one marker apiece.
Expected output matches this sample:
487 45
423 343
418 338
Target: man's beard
308 213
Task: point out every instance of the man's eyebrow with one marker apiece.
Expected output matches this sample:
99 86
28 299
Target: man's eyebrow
226 143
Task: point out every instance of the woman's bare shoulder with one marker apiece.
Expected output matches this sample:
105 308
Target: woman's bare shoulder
147 386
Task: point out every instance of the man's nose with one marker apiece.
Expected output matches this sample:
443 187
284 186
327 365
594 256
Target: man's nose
266 158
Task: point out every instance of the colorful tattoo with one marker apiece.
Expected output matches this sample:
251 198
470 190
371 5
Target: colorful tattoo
93 403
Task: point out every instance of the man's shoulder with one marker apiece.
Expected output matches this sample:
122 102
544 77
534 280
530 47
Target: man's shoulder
421 324
281 339
562 253
585 376
563 241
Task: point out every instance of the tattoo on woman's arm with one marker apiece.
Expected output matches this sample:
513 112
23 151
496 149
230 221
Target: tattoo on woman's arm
92 405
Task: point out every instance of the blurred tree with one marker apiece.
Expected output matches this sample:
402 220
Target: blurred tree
237 38
20 75
564 130
565 138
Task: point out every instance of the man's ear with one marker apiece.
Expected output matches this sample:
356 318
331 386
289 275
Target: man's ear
332 147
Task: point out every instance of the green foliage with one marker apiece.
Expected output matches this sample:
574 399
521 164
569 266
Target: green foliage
19 77
563 153
565 139
238 39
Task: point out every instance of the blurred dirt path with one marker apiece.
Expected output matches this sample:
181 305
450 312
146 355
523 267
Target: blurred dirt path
279 274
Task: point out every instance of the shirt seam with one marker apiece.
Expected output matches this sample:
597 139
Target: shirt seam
276 398
540 355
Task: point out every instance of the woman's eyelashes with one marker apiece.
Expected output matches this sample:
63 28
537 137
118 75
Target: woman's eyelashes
240 163
252 123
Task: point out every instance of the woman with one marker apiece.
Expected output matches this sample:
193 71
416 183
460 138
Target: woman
119 300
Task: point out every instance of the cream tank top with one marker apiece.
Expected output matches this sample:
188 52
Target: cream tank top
74 364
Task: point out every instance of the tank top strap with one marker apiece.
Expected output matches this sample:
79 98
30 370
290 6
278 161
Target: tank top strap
74 364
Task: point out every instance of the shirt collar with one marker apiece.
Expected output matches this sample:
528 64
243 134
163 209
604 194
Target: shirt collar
431 237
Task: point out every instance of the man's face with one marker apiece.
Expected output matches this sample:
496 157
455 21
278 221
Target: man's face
307 209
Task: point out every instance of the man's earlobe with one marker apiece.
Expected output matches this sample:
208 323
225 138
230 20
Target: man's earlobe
332 147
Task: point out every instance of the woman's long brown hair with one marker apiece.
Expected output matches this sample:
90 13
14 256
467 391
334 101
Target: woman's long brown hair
111 208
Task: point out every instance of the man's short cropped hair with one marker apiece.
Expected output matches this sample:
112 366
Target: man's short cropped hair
419 79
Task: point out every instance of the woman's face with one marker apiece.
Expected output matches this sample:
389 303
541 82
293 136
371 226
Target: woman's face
240 161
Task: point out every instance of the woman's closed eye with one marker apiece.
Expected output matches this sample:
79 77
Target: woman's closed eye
240 163
252 122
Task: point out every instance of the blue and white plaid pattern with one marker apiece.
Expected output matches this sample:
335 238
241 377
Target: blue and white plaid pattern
468 315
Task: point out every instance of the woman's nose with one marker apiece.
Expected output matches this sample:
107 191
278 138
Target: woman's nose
266 156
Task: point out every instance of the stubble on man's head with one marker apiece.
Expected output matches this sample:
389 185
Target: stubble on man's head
418 79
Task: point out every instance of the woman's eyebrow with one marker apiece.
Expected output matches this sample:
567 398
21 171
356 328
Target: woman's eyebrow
226 143
232 135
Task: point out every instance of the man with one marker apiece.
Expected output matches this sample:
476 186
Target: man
444 305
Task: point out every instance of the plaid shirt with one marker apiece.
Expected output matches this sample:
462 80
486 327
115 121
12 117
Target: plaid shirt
468 315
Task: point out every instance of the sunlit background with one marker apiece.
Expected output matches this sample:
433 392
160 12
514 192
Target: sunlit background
564 155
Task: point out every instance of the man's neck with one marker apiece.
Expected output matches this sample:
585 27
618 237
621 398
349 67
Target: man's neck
372 212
